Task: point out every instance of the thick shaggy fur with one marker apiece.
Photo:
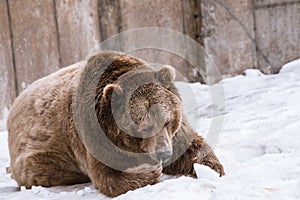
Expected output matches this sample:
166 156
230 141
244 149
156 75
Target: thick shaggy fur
45 147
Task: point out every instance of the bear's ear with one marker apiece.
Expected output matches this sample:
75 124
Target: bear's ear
166 74
110 88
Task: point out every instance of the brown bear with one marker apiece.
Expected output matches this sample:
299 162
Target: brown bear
143 133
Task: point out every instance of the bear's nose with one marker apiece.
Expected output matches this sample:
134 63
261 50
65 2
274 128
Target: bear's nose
163 155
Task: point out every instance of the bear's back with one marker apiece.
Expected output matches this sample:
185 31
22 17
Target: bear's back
38 112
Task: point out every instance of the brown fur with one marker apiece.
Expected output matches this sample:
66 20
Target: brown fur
45 147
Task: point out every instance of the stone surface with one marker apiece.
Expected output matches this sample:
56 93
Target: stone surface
271 3
34 40
7 79
277 33
192 23
78 28
162 14
109 18
228 31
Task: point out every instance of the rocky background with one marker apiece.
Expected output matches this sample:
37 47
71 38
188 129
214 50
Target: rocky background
38 37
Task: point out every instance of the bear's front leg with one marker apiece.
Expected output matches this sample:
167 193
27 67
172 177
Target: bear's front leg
198 152
190 148
206 155
112 182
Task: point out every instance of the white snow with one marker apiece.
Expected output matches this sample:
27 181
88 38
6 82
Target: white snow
205 172
24 85
3 122
259 145
253 72
293 66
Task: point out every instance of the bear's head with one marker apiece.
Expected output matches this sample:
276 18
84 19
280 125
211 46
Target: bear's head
146 110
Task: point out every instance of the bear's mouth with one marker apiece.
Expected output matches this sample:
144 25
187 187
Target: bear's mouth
161 156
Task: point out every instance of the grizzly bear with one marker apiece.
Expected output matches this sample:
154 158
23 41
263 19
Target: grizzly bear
54 140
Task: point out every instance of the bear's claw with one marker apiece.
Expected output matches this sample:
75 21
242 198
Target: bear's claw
212 162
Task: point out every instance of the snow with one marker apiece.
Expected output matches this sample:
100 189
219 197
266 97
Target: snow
3 122
253 72
293 66
205 172
258 145
23 85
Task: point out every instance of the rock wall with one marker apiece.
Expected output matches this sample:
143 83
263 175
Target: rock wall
228 32
40 36
78 29
7 79
34 38
277 33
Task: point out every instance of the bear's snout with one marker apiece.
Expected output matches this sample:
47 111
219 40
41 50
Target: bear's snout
163 155
163 146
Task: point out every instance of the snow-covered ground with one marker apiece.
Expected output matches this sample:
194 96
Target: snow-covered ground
259 145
